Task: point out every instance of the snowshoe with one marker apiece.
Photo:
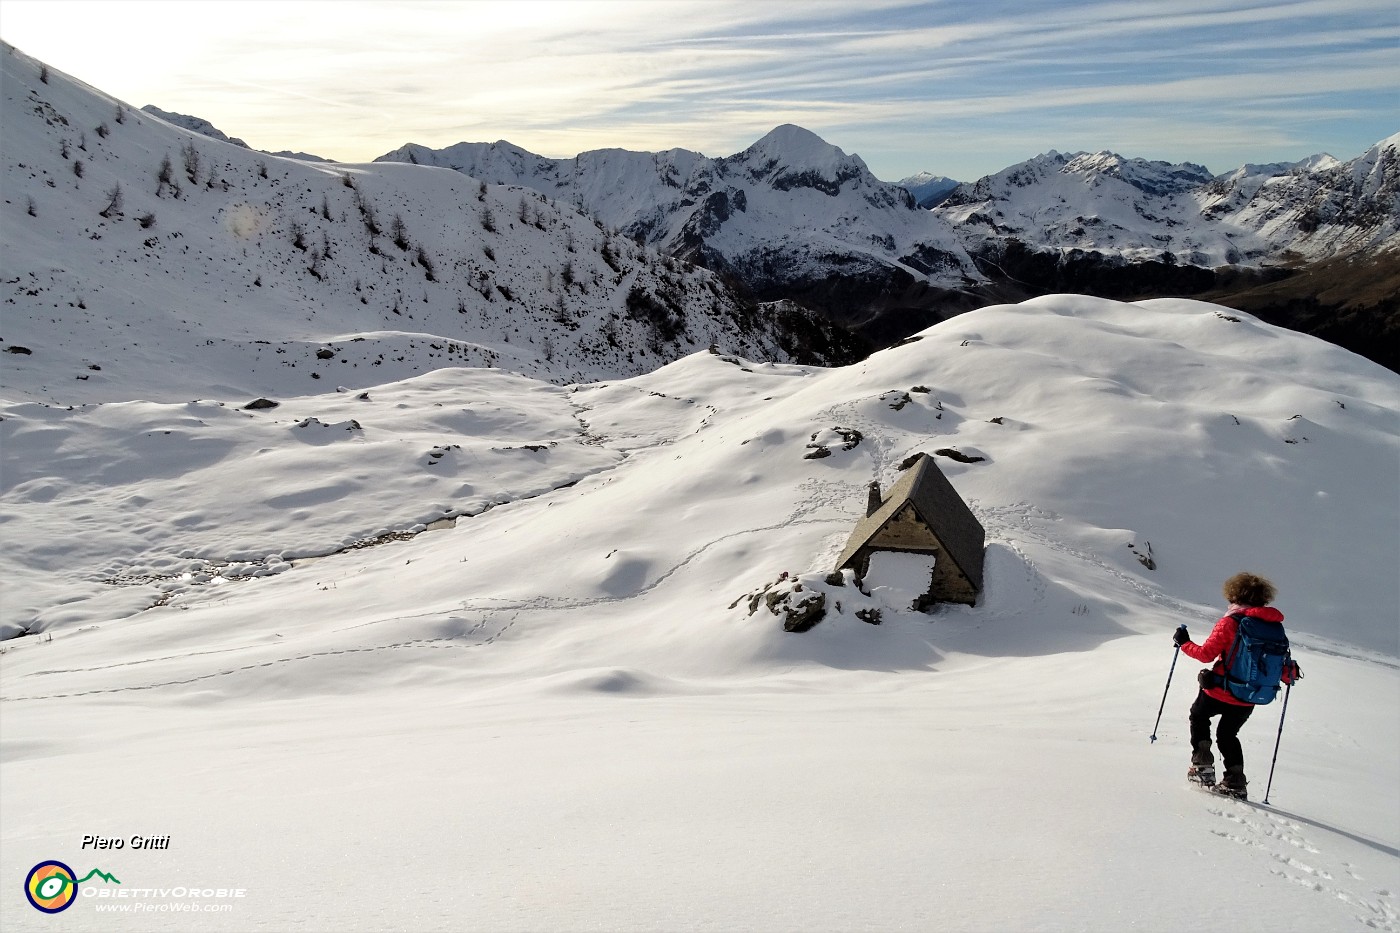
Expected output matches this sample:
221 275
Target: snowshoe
1225 790
1233 784
1203 775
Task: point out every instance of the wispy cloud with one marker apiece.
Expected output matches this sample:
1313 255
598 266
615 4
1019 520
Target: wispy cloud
953 87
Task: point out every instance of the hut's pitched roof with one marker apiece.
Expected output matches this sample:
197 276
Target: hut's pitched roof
939 507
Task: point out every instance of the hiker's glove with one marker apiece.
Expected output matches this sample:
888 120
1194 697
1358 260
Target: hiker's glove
1292 673
1181 637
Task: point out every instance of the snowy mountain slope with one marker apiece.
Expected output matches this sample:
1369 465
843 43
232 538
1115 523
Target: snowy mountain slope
1292 419
928 189
788 213
569 693
1318 208
194 124
261 275
204 128
1141 210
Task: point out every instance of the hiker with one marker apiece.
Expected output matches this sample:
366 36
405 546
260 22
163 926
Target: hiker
1247 595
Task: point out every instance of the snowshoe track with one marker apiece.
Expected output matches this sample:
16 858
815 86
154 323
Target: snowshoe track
1295 858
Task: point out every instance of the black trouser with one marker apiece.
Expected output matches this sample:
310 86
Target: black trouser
1232 717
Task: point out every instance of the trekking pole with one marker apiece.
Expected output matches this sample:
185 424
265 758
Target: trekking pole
1286 691
1176 653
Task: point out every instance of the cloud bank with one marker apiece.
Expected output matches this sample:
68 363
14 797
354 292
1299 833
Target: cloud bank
959 89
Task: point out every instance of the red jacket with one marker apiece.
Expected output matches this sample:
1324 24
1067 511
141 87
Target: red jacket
1218 642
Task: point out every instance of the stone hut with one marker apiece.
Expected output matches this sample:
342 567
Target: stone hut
922 515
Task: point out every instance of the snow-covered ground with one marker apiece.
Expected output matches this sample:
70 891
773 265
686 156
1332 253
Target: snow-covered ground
559 713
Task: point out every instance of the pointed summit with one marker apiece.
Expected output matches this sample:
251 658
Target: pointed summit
791 157
797 148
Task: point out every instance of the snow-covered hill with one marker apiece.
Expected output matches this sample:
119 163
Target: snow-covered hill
566 692
1136 209
790 214
262 275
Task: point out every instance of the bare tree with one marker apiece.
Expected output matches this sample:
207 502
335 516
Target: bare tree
400 233
192 162
165 176
366 213
114 202
427 263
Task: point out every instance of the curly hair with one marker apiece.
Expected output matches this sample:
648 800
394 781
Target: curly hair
1248 589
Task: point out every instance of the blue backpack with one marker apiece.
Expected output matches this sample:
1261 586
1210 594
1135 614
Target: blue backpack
1255 663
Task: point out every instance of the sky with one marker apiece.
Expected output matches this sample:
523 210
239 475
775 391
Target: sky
953 88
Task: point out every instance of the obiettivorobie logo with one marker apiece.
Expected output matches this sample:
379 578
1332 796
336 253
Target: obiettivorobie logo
52 886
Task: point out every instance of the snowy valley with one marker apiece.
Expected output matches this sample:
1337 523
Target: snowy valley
410 587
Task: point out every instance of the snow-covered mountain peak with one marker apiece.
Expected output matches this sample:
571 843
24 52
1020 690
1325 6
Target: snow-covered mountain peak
1152 177
1131 209
928 189
194 124
790 213
1316 163
789 157
798 148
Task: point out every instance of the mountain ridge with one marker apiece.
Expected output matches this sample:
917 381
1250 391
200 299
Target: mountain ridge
1090 222
312 270
794 218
